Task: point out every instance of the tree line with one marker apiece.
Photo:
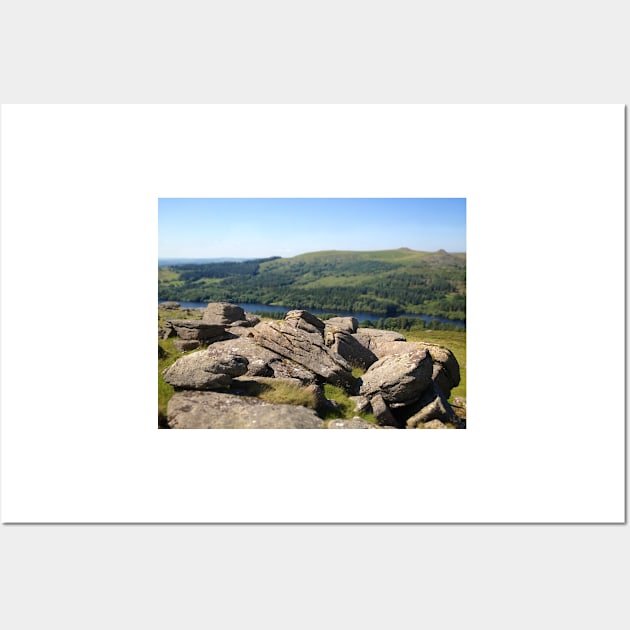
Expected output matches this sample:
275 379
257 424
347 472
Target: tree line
386 289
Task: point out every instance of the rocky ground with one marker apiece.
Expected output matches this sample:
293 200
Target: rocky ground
393 383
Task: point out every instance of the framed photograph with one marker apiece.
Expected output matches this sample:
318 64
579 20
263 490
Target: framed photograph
347 329
94 196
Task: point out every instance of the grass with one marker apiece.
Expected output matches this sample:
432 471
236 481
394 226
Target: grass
345 407
165 391
395 255
279 393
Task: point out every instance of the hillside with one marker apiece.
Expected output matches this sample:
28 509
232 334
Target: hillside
385 282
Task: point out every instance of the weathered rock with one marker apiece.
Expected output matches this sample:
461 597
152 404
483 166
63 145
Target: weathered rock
241 323
459 407
432 424
212 410
433 405
197 329
203 370
262 362
166 332
258 367
372 338
400 378
242 346
305 321
385 348
266 380
361 403
239 330
445 366
348 346
302 341
170 306
342 324
251 319
382 412
182 345
285 368
223 313
355 423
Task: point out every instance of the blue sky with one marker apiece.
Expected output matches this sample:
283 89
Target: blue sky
253 228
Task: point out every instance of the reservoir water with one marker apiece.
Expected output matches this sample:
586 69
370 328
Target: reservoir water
265 308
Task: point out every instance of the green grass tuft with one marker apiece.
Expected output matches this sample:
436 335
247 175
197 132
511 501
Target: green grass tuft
346 408
279 393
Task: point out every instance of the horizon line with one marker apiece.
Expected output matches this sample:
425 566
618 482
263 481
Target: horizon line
399 249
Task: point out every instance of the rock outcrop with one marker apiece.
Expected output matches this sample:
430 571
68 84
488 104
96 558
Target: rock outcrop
211 410
166 331
432 424
261 361
223 313
406 385
372 338
184 345
400 378
432 405
251 319
203 370
170 306
300 338
204 332
349 347
354 423
342 324
445 366
446 374
387 347
382 412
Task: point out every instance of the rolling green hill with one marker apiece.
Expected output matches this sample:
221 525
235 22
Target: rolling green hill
385 282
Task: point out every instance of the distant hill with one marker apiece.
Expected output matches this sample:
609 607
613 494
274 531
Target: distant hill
171 262
386 282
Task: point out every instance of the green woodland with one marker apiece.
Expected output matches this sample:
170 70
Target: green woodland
386 283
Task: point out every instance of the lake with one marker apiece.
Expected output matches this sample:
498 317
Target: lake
265 308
